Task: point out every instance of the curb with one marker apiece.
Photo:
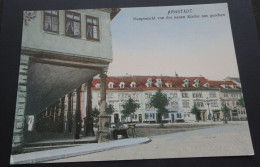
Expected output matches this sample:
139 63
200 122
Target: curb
49 155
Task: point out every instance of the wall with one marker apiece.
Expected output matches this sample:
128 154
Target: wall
35 38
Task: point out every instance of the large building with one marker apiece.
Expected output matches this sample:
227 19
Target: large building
183 93
61 50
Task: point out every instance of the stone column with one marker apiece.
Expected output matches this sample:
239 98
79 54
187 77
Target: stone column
19 122
103 130
62 106
78 115
52 118
89 118
69 114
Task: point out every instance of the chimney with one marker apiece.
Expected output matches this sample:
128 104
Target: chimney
176 75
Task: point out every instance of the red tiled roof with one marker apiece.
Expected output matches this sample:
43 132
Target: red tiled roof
177 82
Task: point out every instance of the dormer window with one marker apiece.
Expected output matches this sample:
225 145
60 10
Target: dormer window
122 85
206 85
133 85
158 80
168 84
149 82
185 85
158 83
196 81
97 85
110 85
196 85
226 86
186 81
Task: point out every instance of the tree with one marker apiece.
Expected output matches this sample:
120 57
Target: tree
129 108
110 109
95 112
241 102
196 112
159 101
226 113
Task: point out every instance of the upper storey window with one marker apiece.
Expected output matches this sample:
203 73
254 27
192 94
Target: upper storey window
51 21
97 85
149 82
72 24
168 84
122 85
133 84
92 28
207 85
110 85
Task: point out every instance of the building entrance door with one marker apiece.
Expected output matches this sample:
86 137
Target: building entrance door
140 118
116 117
159 117
173 118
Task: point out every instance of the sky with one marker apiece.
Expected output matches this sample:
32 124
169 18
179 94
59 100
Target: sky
187 46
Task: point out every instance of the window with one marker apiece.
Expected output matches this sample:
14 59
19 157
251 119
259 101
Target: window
178 115
225 95
214 103
122 85
196 85
148 84
166 116
186 81
72 24
149 116
51 21
169 85
206 85
174 104
197 95
173 94
110 85
212 94
148 95
146 116
186 85
196 81
133 84
185 95
185 104
148 106
226 103
92 28
121 106
199 104
97 85
158 84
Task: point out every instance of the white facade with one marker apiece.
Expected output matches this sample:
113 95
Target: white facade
145 113
205 100
182 92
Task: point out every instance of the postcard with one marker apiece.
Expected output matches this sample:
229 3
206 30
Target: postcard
129 84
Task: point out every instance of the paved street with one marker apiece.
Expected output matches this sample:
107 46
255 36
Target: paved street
224 140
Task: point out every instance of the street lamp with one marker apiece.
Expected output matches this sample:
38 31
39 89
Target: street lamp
207 101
